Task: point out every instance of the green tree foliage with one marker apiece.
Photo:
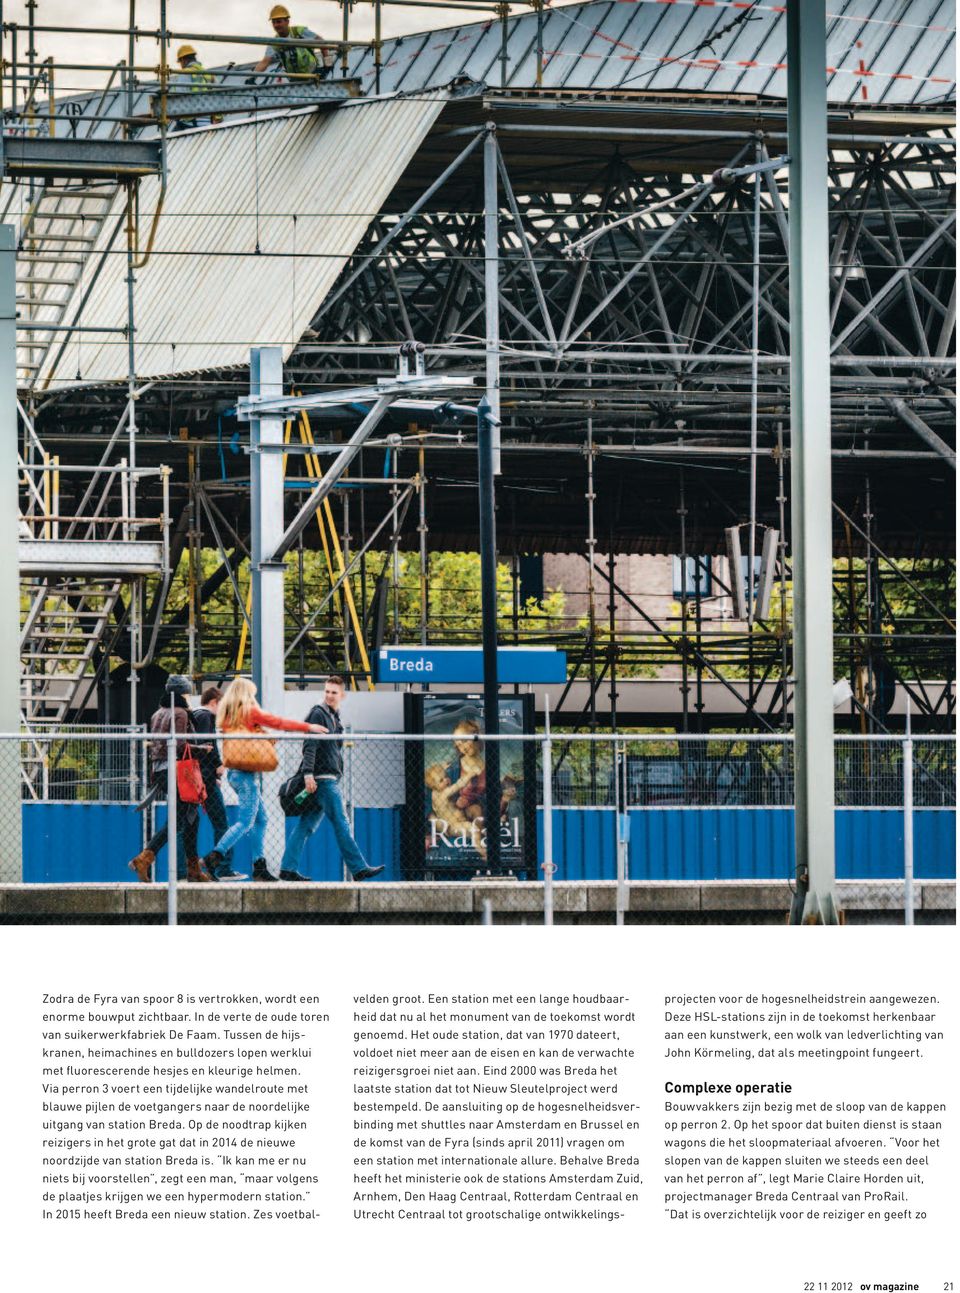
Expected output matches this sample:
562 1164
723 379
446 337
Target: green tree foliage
453 609
454 600
903 618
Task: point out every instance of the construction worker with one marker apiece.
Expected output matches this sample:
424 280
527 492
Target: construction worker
296 60
194 77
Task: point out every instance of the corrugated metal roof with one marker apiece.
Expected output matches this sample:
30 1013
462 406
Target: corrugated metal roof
257 223
882 51
906 47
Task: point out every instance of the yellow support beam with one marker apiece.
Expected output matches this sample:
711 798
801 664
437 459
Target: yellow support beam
313 468
245 628
315 473
323 538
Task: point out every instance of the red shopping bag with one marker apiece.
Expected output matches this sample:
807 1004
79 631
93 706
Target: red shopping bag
190 787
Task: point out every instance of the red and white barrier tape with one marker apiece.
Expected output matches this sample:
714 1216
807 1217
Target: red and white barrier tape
637 55
741 5
713 64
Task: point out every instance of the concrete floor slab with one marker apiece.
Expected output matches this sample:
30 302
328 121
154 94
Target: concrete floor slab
63 902
269 899
432 903
422 899
720 895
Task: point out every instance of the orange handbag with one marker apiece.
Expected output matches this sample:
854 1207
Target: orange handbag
250 755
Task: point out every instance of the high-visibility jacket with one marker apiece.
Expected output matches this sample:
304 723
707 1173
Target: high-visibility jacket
297 58
199 79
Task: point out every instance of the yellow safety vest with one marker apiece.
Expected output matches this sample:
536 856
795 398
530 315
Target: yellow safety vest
296 58
200 80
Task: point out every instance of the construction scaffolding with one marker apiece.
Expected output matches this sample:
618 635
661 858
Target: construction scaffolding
584 211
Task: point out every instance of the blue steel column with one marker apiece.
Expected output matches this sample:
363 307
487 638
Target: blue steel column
266 530
11 857
810 462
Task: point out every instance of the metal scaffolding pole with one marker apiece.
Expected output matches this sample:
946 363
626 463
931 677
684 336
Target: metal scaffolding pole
815 897
286 538
11 857
488 590
754 397
266 529
592 595
136 643
423 533
491 254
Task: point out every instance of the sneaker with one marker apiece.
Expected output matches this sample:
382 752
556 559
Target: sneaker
226 872
368 872
294 876
260 871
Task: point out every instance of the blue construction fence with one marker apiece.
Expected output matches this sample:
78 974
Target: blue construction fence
75 842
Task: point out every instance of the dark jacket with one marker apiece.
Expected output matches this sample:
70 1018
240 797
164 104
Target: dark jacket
206 749
323 757
160 726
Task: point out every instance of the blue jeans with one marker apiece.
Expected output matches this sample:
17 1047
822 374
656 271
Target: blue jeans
252 814
330 803
217 813
188 825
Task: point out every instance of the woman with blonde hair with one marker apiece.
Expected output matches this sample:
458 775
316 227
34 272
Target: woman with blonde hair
246 761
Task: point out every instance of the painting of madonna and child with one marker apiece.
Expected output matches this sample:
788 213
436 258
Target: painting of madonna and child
447 782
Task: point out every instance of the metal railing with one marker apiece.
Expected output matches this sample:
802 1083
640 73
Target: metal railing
28 85
623 809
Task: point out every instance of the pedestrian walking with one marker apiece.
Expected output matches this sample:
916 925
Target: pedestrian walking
321 768
173 709
246 762
212 770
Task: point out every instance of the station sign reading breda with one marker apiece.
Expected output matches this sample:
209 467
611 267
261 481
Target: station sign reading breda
465 664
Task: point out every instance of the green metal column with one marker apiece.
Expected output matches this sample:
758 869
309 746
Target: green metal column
11 857
815 898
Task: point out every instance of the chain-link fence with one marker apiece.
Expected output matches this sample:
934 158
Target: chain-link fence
393 827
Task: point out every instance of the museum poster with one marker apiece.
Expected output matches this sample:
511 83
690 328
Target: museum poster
446 786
